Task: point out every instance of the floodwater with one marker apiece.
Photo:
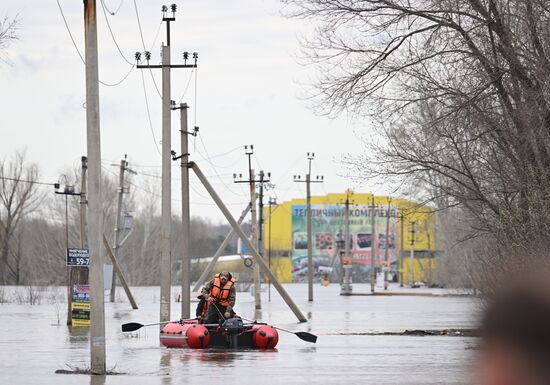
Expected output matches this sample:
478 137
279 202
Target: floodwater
33 345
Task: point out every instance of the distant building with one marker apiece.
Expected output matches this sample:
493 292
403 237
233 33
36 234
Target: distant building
285 236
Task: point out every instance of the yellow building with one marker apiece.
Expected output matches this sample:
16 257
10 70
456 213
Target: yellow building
395 222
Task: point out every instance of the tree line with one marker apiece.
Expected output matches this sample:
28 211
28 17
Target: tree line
33 229
456 98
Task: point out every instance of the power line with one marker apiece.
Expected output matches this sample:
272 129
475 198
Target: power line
25 181
80 55
149 113
118 8
144 47
215 170
112 34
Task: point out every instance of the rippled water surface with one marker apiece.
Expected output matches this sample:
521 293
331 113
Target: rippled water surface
33 345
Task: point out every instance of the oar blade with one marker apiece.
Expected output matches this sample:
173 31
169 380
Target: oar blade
130 327
307 336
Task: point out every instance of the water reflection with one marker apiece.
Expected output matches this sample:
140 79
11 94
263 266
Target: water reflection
78 336
97 380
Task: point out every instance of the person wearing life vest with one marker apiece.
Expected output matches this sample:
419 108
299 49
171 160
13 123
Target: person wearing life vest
220 297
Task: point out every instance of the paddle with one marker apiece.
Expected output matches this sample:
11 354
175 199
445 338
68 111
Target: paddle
308 337
133 326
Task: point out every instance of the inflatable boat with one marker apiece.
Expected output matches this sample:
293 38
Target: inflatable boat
232 333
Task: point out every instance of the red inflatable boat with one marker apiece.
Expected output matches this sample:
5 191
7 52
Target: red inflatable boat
232 333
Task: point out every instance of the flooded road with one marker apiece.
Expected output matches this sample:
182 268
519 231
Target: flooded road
33 345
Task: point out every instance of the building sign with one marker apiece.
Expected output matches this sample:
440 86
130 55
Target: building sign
328 238
80 306
78 257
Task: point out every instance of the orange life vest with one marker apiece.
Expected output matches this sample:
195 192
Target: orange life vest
221 293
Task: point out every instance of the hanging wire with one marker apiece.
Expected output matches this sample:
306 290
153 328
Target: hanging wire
112 34
80 55
144 47
108 10
215 169
149 113
25 181
69 30
187 86
195 106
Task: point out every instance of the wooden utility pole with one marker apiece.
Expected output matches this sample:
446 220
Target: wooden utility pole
257 258
166 200
308 181
79 275
118 224
95 223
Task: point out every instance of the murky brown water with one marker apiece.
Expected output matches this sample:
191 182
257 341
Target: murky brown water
33 346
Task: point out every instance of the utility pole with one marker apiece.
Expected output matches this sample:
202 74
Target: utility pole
249 150
272 201
123 166
373 247
308 181
347 261
185 211
83 203
261 248
257 258
402 253
386 250
95 224
166 207
79 275
411 264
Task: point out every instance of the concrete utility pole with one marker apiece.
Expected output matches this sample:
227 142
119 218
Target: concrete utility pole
263 182
166 206
373 247
272 202
308 181
123 165
346 288
402 251
95 224
185 211
249 150
411 264
386 250
257 258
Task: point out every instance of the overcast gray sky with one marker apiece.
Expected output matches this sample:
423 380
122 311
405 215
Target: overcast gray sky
248 92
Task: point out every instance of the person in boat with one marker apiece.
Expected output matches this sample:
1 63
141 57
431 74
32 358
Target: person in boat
219 298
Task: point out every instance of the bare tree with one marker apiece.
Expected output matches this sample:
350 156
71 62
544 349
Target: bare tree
458 93
8 28
19 196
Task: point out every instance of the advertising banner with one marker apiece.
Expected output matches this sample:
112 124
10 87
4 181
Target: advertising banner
328 239
80 306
